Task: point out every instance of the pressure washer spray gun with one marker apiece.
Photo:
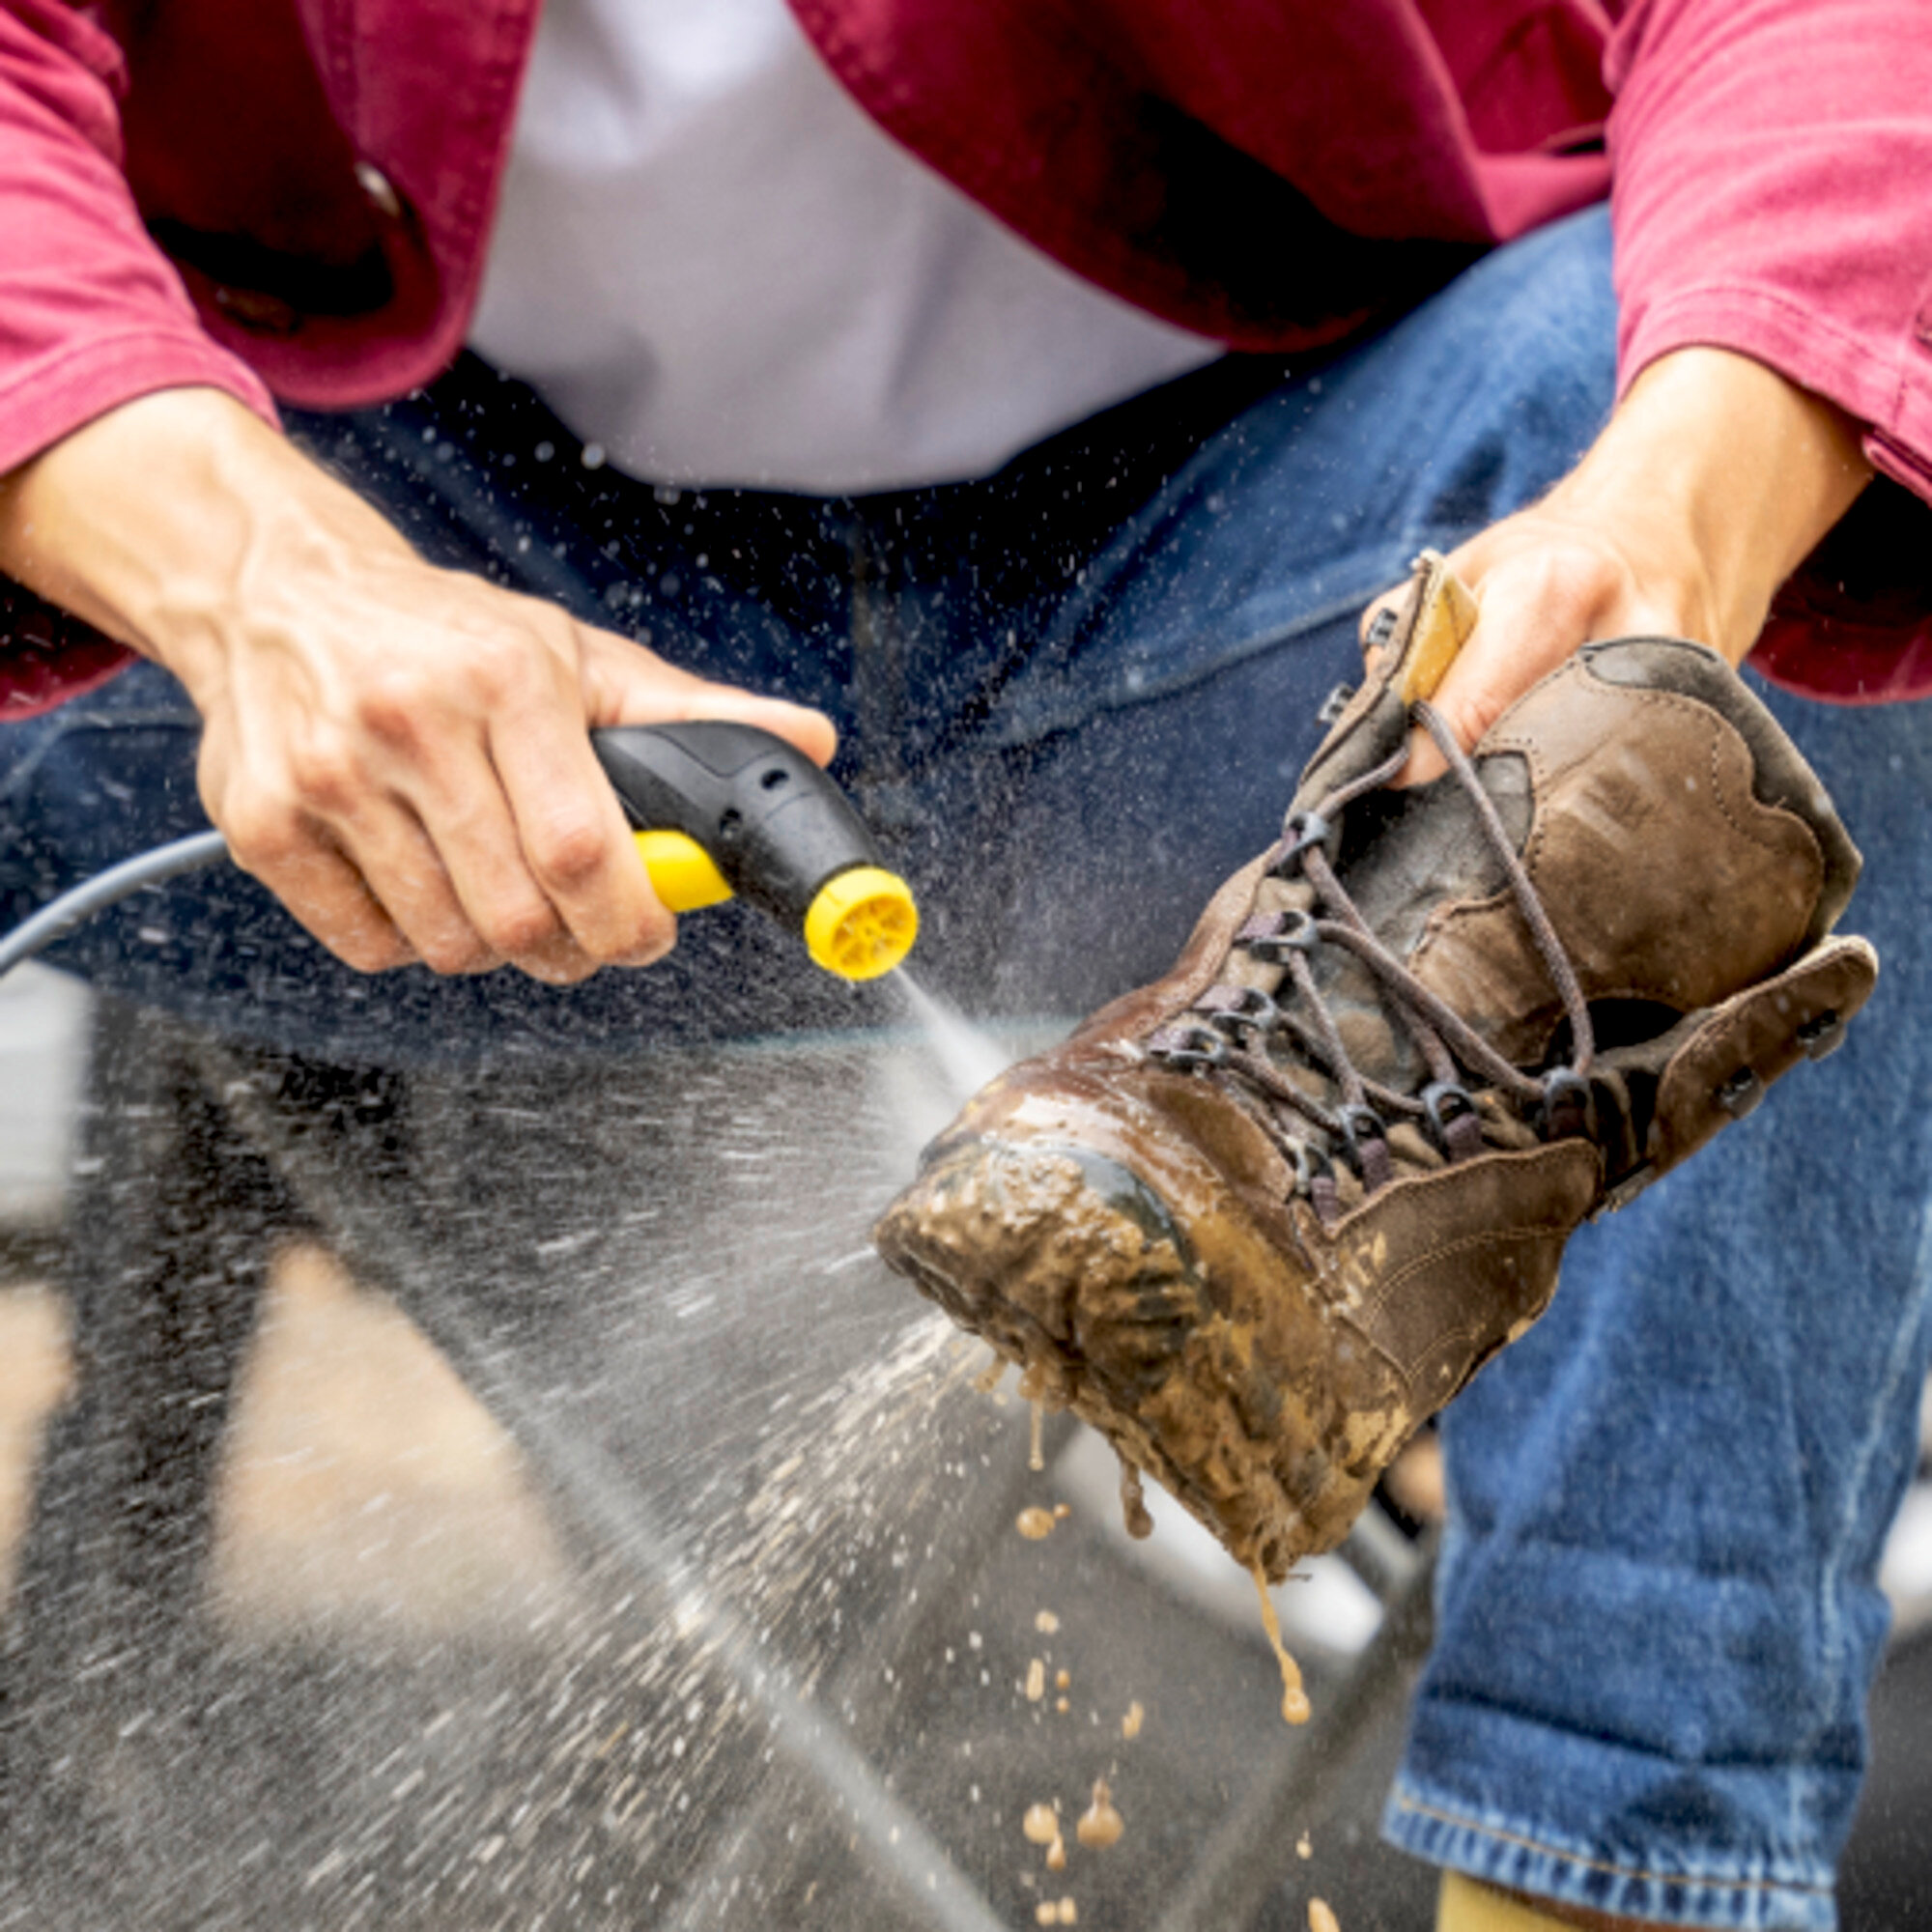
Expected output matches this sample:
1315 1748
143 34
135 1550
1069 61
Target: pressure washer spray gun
722 810
718 810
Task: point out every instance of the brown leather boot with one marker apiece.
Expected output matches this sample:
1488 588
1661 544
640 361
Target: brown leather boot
1260 1219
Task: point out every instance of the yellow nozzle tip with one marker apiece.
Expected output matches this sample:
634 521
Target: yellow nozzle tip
861 923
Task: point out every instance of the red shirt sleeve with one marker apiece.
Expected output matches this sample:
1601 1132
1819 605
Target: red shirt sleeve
1772 193
91 313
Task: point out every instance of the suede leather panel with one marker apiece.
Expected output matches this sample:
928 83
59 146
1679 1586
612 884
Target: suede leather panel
1779 775
1757 1029
1453 1263
1651 902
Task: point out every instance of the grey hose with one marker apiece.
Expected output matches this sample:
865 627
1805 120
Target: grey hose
59 917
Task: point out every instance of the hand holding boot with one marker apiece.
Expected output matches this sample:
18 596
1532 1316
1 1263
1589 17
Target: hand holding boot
1709 485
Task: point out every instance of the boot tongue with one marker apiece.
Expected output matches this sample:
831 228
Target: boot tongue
1404 854
1400 854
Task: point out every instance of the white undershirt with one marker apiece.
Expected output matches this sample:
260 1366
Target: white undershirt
710 262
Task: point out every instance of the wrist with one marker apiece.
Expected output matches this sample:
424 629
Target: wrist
1719 477
162 520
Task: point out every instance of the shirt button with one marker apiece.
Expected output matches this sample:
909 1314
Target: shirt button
377 191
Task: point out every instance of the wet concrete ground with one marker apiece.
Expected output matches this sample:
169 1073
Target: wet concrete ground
363 1481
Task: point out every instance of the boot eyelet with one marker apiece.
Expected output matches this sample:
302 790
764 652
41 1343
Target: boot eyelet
1445 1106
1251 1011
1565 1112
1310 1166
1359 1124
1271 938
1365 1146
1822 1035
1191 1049
1739 1093
1300 832
1337 702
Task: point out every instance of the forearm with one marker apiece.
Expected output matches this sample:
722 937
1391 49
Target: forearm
175 521
1725 475
1710 484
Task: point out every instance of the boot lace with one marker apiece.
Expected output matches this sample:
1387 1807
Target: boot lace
1228 1029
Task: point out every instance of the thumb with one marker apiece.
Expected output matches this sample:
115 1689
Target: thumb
798 725
626 684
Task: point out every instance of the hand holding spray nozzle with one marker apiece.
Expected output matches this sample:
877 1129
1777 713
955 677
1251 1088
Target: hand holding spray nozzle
717 807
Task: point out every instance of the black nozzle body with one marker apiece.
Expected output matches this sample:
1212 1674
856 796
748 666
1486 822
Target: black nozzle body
774 825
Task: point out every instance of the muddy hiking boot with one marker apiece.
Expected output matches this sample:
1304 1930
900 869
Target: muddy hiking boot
1258 1220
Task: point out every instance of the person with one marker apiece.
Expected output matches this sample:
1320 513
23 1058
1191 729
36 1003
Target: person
1033 399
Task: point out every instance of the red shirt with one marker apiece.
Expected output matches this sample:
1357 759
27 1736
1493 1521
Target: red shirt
321 173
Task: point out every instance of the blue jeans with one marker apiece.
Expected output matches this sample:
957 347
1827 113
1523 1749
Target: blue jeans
1070 700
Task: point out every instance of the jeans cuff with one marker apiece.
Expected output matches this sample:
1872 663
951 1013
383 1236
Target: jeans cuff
1523 1855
